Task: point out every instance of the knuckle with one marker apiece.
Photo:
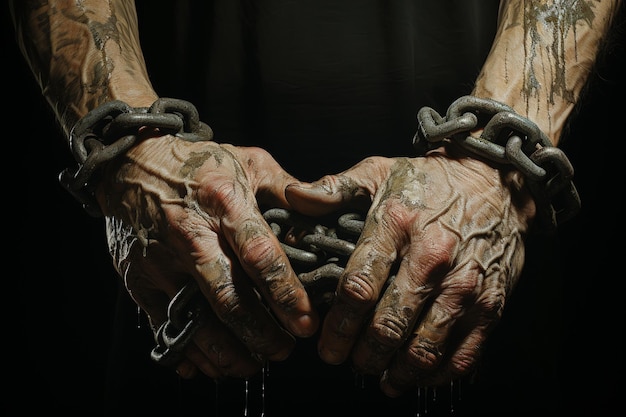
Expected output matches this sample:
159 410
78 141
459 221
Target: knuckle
258 154
438 254
491 302
258 253
463 362
389 329
465 284
435 260
424 355
271 270
395 213
333 183
375 161
221 196
286 296
227 301
359 289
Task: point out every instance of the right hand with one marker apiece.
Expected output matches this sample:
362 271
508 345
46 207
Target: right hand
178 211
441 249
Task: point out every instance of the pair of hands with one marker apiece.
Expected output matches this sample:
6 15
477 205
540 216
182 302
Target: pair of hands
453 226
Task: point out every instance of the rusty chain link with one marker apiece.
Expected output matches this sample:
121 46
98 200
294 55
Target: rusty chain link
318 254
507 138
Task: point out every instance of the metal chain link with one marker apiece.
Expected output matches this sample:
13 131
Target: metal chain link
507 138
318 254
112 128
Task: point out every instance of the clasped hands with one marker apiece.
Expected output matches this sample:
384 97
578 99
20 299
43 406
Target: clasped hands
452 227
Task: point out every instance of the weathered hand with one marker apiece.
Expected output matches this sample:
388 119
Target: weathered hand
440 251
177 211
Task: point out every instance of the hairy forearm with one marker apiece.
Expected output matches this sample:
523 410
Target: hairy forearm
542 56
83 53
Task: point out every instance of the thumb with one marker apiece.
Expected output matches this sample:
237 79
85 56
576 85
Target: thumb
267 178
351 189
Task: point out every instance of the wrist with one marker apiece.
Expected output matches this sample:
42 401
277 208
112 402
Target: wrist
495 132
136 95
112 129
550 121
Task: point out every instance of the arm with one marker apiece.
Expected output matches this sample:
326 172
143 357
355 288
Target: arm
175 210
83 55
450 226
542 56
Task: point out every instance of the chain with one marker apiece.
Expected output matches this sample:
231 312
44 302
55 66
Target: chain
317 253
112 128
507 138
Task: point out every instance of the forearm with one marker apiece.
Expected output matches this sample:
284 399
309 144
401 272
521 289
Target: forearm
542 55
83 53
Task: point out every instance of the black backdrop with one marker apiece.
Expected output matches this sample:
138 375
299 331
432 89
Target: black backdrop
559 348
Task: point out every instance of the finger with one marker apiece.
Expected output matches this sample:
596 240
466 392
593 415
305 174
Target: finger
384 233
264 261
234 214
217 352
152 284
502 265
187 370
245 326
402 377
142 282
267 178
420 272
361 283
194 361
232 298
353 188
434 353
480 319
230 346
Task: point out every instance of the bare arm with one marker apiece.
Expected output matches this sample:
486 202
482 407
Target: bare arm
83 53
454 224
542 56
175 210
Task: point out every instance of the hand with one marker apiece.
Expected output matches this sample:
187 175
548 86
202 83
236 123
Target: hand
178 210
451 230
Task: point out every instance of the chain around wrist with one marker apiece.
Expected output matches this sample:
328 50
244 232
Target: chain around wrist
506 138
109 130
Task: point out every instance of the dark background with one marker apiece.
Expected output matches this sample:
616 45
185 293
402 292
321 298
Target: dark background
559 348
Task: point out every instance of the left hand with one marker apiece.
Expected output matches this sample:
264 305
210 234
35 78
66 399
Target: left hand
453 227
178 211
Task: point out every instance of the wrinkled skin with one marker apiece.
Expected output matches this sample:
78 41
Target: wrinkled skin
453 227
454 230
178 210
450 229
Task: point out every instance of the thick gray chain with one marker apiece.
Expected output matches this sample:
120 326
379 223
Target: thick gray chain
507 138
112 128
318 254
